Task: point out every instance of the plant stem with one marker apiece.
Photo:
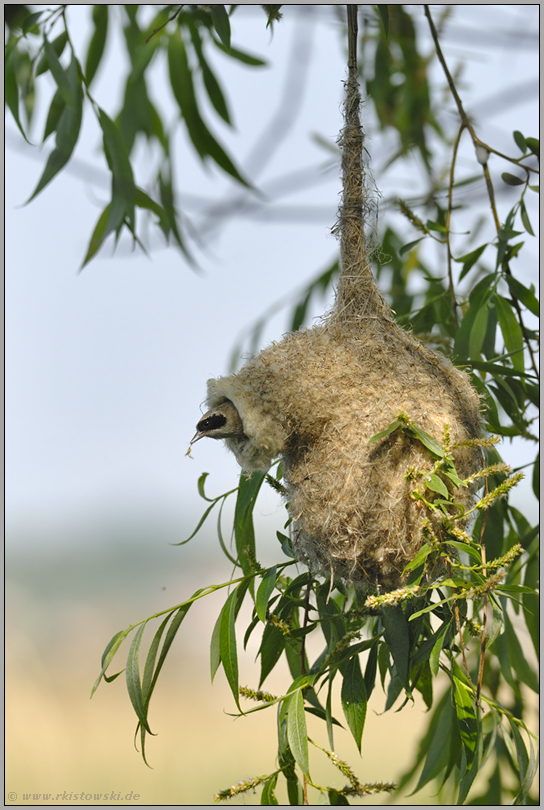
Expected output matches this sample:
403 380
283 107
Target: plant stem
465 121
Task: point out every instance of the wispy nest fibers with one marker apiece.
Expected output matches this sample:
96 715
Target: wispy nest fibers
316 398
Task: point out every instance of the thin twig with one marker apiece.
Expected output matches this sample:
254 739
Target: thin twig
352 37
477 142
173 17
448 224
304 624
484 639
462 641
484 617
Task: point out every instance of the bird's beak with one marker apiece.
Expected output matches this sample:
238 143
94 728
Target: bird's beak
198 435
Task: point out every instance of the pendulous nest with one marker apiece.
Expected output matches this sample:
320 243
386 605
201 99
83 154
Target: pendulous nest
317 397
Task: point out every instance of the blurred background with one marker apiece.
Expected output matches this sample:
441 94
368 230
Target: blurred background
106 372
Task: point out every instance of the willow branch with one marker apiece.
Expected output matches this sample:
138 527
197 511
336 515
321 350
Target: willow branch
466 123
448 225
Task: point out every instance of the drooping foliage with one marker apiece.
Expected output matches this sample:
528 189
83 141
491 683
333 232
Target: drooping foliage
478 747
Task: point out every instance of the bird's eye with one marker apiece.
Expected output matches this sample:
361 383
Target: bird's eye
212 422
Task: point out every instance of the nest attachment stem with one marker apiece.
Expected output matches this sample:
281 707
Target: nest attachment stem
357 294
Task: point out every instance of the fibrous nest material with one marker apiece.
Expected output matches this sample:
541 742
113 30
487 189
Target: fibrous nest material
315 398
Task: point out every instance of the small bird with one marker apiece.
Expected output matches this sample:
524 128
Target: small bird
222 422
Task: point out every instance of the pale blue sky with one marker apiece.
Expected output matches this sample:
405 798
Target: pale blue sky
106 370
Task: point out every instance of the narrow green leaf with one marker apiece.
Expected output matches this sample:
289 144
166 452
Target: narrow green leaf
272 646
534 146
517 658
107 657
59 43
429 608
60 75
423 682
383 662
249 630
149 668
143 200
227 645
438 745
97 43
53 116
371 669
268 796
328 711
215 647
478 297
520 141
96 241
200 485
464 547
392 427
181 80
215 93
511 331
177 618
332 621
525 219
218 154
241 56
394 689
172 216
337 799
297 733
512 179
420 558
273 13
523 294
426 742
211 84
132 672
123 189
264 593
406 248
67 131
466 715
221 23
436 226
244 531
496 369
30 21
470 259
11 88
222 543
397 637
531 602
434 659
429 442
527 765
437 485
468 775
478 332
383 11
354 699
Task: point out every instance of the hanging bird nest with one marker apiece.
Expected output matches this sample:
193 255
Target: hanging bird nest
316 398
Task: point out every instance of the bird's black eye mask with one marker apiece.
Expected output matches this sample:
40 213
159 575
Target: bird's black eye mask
212 422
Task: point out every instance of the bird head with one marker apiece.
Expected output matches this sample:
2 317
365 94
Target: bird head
221 422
